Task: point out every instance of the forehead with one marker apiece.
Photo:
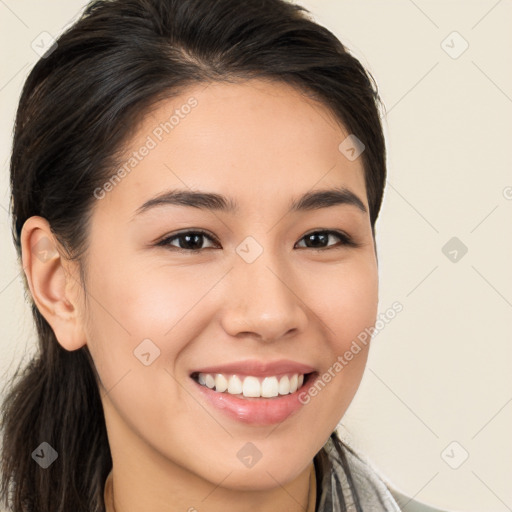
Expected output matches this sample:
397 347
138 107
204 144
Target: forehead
250 139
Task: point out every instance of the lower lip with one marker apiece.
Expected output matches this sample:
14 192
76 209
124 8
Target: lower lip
257 411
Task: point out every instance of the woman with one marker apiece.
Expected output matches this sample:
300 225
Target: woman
195 187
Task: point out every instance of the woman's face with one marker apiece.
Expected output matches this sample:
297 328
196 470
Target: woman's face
261 291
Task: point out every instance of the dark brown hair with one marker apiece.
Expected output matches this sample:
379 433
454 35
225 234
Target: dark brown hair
78 107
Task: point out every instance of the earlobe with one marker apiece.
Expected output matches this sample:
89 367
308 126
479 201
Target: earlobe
52 282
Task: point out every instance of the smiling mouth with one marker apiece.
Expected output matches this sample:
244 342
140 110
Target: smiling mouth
249 386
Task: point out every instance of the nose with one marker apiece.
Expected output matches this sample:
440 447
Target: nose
263 301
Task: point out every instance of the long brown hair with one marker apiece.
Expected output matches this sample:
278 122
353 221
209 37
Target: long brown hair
78 106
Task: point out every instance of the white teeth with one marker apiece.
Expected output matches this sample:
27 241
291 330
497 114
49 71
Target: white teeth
210 381
284 385
221 383
252 387
249 386
269 387
234 385
293 383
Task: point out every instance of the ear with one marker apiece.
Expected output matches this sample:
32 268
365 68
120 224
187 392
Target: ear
53 281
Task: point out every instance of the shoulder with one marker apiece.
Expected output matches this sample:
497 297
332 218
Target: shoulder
358 480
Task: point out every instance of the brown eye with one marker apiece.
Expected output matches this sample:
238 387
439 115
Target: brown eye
318 240
191 241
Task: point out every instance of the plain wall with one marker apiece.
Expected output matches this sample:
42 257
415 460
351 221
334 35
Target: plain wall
437 388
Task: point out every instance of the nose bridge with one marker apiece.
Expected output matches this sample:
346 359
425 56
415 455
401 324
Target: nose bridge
262 300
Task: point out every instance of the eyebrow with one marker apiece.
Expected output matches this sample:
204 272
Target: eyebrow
313 200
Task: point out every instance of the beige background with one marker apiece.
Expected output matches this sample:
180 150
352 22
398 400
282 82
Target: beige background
438 382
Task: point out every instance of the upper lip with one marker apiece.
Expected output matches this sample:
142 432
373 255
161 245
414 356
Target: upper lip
259 368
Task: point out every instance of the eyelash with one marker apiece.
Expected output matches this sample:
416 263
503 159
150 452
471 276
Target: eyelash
346 240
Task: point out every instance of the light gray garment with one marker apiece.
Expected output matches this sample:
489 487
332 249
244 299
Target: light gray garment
344 480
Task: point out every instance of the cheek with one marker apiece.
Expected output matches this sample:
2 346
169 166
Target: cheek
136 310
145 301
346 302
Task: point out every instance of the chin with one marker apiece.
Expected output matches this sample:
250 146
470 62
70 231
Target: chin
260 477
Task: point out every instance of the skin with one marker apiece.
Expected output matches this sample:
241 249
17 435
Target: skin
261 143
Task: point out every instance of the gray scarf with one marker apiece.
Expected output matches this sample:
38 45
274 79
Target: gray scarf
345 483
